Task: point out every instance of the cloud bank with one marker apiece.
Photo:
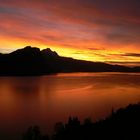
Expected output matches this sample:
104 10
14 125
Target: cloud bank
104 26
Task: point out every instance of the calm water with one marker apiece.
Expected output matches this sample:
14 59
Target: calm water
45 100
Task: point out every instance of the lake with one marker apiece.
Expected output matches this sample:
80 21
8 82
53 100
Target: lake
45 100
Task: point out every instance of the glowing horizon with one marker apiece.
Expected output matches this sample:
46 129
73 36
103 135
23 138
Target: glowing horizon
99 30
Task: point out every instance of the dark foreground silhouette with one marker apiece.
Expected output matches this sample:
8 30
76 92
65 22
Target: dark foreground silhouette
31 61
123 124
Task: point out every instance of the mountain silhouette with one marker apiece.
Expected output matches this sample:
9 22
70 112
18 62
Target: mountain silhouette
33 61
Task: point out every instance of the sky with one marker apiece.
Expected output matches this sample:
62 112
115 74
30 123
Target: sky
95 30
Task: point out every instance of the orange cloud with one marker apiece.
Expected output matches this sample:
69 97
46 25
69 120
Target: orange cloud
99 30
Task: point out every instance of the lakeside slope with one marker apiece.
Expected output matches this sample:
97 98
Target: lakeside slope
120 125
33 61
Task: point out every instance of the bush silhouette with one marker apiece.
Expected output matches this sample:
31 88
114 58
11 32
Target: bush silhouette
120 125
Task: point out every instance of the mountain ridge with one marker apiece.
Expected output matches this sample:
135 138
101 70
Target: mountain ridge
33 61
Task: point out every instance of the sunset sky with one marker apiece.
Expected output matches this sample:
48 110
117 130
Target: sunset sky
95 30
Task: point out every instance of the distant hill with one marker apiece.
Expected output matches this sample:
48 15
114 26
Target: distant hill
33 61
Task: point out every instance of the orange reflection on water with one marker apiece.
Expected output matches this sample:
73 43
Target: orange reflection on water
26 101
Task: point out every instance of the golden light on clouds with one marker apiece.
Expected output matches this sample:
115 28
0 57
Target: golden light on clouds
87 30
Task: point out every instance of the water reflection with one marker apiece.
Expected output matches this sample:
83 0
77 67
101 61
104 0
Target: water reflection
26 101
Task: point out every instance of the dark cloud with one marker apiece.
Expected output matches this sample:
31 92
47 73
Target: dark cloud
132 54
95 49
131 64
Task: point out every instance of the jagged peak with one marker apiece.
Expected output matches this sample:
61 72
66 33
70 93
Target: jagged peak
49 52
30 48
26 49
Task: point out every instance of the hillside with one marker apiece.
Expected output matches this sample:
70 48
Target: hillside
33 61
